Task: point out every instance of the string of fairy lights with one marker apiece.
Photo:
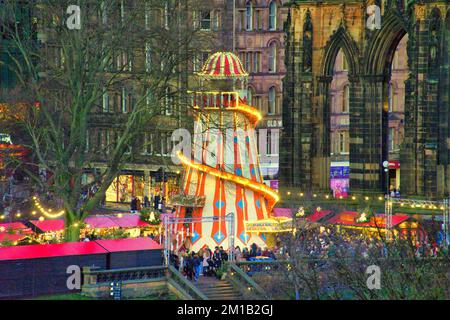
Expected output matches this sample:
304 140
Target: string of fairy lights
46 212
402 202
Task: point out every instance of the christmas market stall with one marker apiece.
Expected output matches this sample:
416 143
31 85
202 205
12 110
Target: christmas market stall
401 223
47 230
14 233
132 252
34 270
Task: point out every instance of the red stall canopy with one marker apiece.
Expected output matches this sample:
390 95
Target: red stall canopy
13 226
349 218
318 215
50 250
129 244
98 222
282 212
129 221
49 225
10 237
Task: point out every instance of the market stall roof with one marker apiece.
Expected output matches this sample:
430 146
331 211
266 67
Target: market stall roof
317 216
48 225
349 218
99 222
129 221
10 237
50 250
129 244
13 226
282 212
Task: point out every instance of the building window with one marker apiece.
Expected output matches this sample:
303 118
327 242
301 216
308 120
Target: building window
216 20
124 101
148 147
166 15
168 103
391 98
343 142
258 20
206 20
105 104
391 139
346 98
241 20
273 16
249 16
148 57
273 57
272 101
166 143
123 61
250 96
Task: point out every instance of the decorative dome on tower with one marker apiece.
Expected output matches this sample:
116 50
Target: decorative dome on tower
223 65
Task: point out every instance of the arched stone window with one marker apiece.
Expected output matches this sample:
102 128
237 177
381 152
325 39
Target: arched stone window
249 16
273 57
272 105
273 10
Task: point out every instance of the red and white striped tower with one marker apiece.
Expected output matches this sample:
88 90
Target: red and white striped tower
224 168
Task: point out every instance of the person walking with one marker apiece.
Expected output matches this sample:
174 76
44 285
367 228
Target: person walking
133 205
138 205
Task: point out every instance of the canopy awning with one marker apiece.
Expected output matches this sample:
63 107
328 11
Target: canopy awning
271 225
317 216
349 218
129 244
50 250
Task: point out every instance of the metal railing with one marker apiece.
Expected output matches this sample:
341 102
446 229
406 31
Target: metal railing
252 267
184 286
242 282
95 276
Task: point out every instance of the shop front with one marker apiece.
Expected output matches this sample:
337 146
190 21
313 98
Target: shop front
126 186
157 187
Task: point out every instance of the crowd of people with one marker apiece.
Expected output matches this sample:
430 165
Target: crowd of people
333 242
207 262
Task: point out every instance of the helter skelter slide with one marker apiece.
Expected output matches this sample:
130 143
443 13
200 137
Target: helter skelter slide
225 171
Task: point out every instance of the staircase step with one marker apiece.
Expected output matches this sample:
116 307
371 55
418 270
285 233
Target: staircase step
216 289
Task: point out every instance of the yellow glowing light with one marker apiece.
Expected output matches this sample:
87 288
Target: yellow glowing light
366 198
380 198
301 194
353 198
41 218
288 193
2 216
33 213
327 196
315 195
270 194
119 215
252 113
48 213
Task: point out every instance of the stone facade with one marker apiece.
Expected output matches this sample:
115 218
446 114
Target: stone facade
315 33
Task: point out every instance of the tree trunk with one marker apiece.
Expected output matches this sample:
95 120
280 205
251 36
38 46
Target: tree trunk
71 228
71 233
